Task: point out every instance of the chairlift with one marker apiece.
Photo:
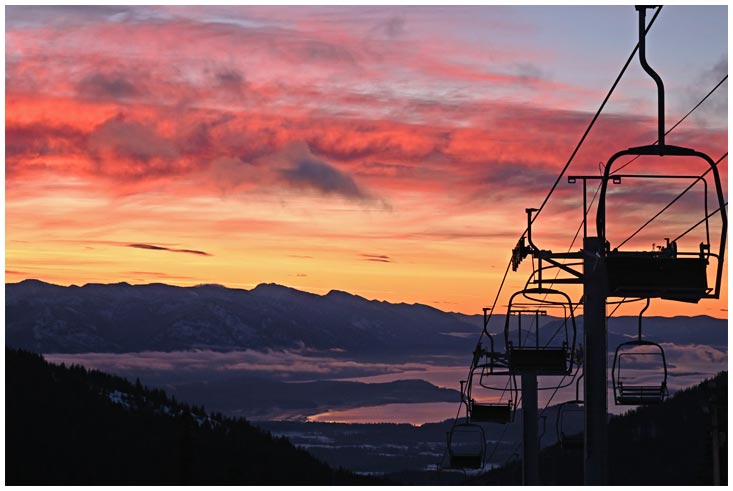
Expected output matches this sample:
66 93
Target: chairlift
553 355
667 273
630 390
568 413
487 364
466 446
501 412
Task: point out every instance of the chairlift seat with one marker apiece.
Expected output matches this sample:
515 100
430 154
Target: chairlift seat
544 361
634 391
636 395
649 275
466 461
572 442
491 412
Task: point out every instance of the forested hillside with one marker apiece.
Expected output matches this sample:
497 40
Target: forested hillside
68 425
668 444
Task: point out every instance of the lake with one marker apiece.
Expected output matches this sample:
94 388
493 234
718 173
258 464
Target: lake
414 414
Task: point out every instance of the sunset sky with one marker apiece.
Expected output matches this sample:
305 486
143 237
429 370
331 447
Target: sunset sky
385 151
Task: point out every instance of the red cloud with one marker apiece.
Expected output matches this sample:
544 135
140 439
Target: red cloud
514 149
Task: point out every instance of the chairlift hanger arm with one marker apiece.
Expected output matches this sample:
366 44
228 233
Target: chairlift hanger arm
641 314
648 69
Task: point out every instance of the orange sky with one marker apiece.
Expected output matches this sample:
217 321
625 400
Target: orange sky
360 150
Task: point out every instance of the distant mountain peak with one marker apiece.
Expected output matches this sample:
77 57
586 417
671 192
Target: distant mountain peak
212 286
272 287
341 293
123 284
275 289
33 282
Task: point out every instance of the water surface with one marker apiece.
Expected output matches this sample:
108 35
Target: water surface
414 414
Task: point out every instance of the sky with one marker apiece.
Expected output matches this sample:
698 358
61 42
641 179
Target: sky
385 151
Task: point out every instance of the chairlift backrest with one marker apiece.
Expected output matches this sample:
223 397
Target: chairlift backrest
537 354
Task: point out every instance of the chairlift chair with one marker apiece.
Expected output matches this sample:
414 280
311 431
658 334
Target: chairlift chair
554 357
501 412
569 439
636 393
485 364
466 446
669 274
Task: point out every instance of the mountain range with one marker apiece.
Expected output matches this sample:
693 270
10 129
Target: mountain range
118 318
123 318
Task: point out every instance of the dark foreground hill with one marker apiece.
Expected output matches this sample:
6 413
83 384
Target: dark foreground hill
71 426
668 444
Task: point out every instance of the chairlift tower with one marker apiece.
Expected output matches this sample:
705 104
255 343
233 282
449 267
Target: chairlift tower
534 358
666 273
595 332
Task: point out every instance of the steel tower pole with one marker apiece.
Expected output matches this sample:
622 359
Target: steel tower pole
530 442
595 363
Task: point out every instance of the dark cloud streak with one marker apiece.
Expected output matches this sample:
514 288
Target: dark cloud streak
157 274
376 257
106 86
169 249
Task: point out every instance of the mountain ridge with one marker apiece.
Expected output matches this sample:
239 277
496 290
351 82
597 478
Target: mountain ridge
265 286
121 317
